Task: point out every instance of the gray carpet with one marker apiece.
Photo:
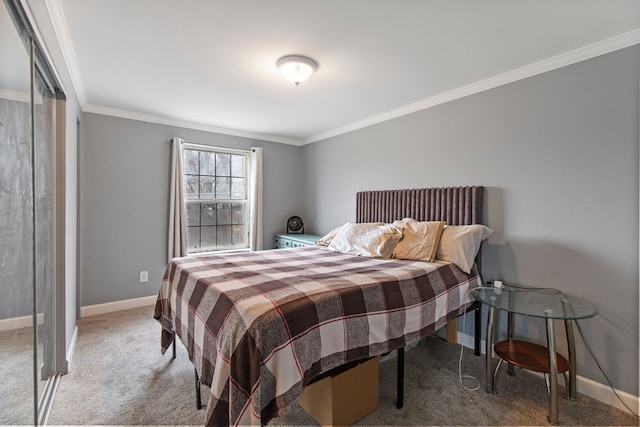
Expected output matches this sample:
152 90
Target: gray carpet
16 371
118 376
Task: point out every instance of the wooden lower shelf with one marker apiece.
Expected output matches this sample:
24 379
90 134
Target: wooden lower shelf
529 356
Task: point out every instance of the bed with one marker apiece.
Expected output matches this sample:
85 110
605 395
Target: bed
259 326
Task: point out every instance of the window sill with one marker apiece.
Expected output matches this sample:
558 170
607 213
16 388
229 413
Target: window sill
226 251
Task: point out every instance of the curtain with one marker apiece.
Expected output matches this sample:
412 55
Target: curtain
177 214
255 198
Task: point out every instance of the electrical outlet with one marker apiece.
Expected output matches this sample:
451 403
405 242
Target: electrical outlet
144 276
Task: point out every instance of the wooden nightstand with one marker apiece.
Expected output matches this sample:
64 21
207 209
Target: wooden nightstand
281 241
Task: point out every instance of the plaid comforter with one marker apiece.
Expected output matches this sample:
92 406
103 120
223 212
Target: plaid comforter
258 326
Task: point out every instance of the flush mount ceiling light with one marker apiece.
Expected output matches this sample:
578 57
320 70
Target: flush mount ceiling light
297 69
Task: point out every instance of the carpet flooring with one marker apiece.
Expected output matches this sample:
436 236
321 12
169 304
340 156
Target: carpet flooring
119 377
16 371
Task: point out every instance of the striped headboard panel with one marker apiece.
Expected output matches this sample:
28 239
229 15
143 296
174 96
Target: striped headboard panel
455 205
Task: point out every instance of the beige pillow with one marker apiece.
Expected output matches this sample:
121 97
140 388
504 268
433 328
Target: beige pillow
366 239
419 239
460 244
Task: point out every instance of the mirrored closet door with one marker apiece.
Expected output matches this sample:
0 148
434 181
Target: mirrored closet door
42 113
28 102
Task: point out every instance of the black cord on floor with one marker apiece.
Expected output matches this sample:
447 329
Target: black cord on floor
602 370
461 377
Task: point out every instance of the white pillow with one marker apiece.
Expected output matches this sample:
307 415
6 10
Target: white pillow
460 244
327 238
366 239
419 239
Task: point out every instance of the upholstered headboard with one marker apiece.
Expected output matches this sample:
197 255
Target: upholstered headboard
455 205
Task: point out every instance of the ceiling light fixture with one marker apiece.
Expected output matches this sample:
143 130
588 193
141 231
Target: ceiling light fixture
297 69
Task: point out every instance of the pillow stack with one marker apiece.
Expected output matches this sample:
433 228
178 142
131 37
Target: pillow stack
410 239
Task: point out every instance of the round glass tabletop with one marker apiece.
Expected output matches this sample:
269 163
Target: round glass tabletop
536 302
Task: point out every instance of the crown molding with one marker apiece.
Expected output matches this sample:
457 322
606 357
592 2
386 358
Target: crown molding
59 22
564 59
151 118
56 14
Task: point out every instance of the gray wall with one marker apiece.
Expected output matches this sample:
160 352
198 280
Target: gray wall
124 200
558 154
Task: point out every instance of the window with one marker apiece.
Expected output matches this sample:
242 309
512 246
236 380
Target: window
216 199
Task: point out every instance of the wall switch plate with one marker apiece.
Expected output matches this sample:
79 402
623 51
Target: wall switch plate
144 276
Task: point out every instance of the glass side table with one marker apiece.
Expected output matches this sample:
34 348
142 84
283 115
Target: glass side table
549 304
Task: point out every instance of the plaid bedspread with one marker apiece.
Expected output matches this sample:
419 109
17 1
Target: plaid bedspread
258 326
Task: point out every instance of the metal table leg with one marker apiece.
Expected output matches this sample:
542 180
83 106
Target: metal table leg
510 321
478 327
572 359
553 371
568 327
490 386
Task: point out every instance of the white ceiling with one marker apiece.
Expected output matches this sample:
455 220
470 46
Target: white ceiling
212 64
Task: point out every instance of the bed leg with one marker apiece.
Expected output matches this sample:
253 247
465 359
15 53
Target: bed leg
478 323
174 347
400 390
198 399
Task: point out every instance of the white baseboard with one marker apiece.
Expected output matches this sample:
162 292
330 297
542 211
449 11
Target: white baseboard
603 393
593 389
20 322
90 310
110 307
16 323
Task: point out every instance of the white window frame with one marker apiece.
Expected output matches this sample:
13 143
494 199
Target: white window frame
245 201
